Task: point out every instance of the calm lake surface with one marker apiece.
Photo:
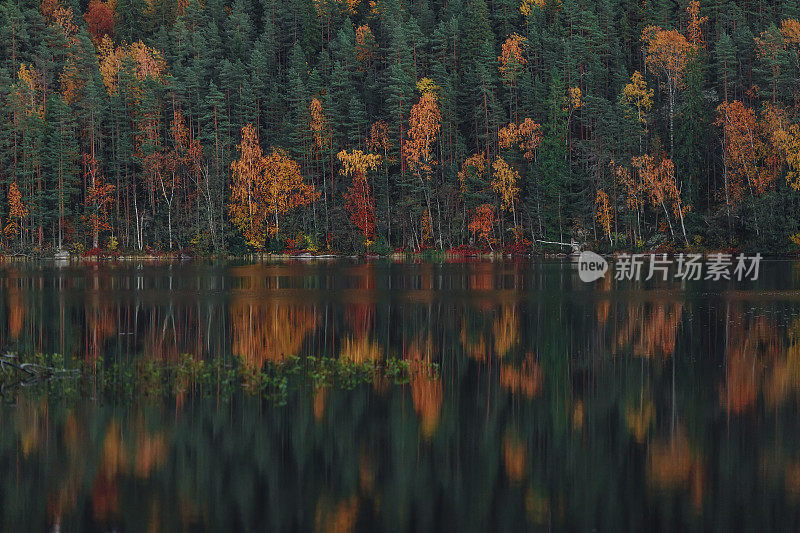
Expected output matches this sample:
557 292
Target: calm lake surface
559 404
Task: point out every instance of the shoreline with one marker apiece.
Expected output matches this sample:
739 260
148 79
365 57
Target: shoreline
446 255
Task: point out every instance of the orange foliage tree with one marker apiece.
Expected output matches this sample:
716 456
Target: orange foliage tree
744 148
99 20
658 181
785 139
638 96
473 167
694 31
527 136
424 125
512 63
668 53
526 6
99 197
633 193
482 223
16 212
358 199
181 163
504 183
425 122
148 62
263 189
366 46
317 123
605 214
512 58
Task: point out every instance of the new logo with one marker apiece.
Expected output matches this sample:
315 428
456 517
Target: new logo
591 266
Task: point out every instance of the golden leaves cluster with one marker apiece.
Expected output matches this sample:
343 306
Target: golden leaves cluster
505 183
605 214
359 202
264 188
526 7
425 123
149 63
378 139
16 211
526 136
474 166
356 163
668 52
512 58
694 30
746 152
638 95
366 46
317 124
658 182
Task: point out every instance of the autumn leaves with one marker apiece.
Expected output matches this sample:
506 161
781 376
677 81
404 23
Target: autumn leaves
650 179
264 188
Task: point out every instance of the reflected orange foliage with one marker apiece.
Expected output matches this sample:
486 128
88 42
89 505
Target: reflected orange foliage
366 472
515 457
577 415
268 331
320 395
672 465
426 388
638 418
537 506
360 350
525 379
650 332
505 330
336 517
792 479
151 453
16 310
473 343
754 350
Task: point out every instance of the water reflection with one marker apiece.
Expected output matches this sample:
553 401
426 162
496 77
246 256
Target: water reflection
558 404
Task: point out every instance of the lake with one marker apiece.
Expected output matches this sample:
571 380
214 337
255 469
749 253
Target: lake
558 404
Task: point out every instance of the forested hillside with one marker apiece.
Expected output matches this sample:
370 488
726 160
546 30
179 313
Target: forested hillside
370 125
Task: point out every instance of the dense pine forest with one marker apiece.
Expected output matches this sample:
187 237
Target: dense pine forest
372 125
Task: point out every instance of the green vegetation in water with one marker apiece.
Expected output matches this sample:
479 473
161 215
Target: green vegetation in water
141 379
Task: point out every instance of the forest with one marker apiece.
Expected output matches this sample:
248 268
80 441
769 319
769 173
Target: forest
369 126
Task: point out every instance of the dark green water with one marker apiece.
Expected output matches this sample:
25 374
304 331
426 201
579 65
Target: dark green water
560 405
